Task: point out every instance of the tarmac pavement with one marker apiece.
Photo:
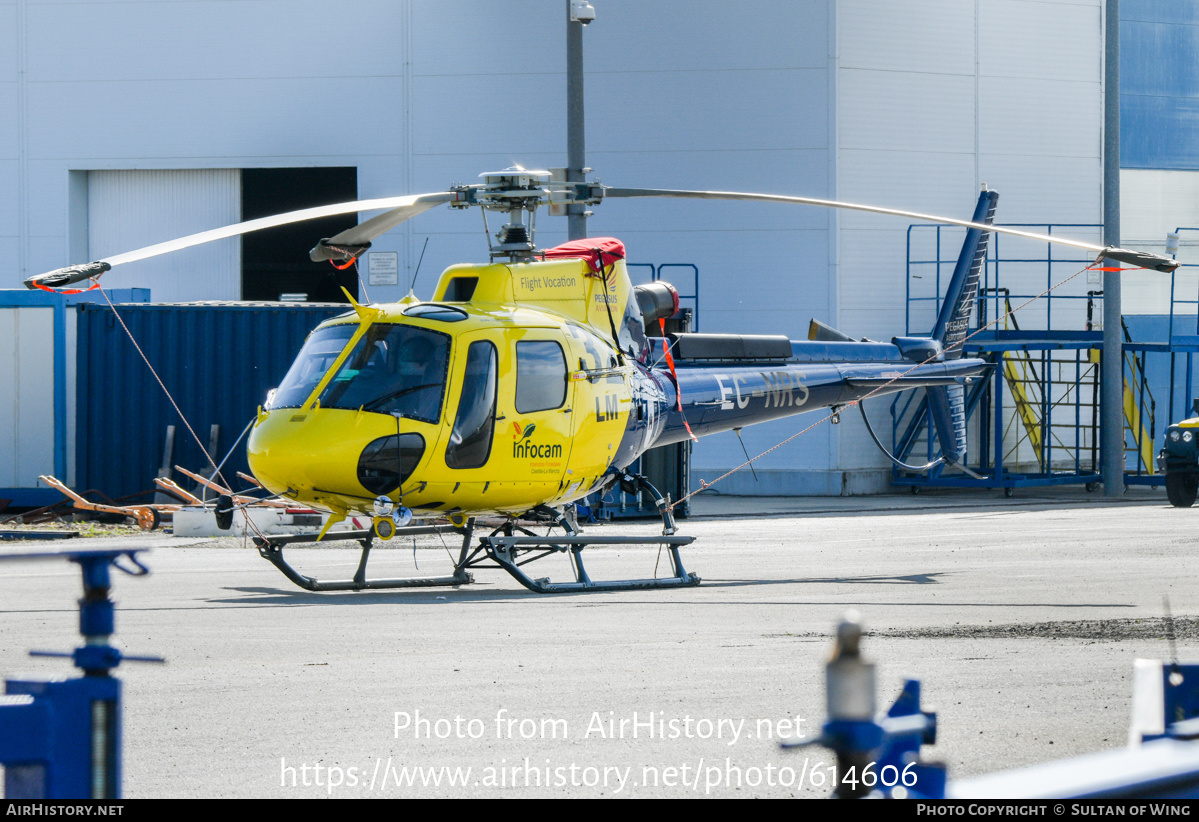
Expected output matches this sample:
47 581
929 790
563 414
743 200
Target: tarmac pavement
1022 618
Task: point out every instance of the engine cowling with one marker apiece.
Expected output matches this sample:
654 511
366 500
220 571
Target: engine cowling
657 301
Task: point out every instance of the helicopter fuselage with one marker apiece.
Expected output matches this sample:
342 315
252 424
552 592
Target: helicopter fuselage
526 384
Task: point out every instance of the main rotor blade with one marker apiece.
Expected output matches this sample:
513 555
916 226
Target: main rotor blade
360 236
402 208
1138 258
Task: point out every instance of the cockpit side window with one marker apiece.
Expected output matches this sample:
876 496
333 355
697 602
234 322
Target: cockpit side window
470 441
540 376
393 369
320 351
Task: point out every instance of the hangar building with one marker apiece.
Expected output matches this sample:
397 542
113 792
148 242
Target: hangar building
134 122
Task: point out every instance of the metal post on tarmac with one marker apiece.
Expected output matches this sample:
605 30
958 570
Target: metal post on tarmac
61 738
878 754
1112 372
579 13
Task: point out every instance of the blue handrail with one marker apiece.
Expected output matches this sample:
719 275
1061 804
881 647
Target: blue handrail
655 274
991 269
693 296
1173 283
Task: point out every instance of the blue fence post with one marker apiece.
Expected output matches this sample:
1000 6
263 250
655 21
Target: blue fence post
61 739
694 295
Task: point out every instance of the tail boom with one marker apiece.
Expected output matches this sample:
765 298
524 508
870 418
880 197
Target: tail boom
718 398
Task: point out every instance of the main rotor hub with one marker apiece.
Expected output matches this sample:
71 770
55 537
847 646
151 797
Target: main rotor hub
513 191
518 191
515 183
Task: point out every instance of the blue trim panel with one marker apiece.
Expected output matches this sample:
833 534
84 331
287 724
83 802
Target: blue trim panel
1159 132
1158 11
1159 86
30 497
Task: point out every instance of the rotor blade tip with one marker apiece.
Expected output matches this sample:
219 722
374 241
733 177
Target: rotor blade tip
60 277
1142 259
325 251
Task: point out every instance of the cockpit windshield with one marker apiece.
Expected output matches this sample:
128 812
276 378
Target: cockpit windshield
393 369
316 357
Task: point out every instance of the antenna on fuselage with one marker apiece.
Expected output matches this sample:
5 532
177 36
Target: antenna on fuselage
416 273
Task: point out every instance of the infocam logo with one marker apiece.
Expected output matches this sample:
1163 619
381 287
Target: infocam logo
523 448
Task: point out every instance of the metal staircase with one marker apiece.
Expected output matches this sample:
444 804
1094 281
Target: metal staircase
1048 433
1034 392
1037 392
1035 420
1139 408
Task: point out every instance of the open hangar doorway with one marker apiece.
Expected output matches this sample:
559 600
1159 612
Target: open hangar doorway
274 261
114 211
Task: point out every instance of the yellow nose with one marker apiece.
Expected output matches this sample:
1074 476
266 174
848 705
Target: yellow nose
310 454
310 450
276 452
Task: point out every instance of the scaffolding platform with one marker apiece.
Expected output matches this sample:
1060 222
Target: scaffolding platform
1035 420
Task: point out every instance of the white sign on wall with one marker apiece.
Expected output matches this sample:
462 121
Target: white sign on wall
383 267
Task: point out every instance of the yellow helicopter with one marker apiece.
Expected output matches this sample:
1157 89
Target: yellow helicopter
531 381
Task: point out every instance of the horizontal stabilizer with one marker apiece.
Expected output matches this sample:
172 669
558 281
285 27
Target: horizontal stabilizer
900 382
820 332
954 373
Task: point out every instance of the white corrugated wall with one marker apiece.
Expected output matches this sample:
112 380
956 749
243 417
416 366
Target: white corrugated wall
1154 202
936 97
131 209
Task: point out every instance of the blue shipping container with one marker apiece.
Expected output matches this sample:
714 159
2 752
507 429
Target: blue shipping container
218 360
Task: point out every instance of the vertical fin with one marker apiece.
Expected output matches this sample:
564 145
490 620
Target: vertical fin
947 407
947 404
962 293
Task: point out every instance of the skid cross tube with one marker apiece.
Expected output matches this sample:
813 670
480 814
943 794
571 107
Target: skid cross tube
271 549
504 549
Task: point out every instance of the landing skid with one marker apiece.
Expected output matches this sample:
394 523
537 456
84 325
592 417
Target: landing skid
504 551
503 548
271 549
